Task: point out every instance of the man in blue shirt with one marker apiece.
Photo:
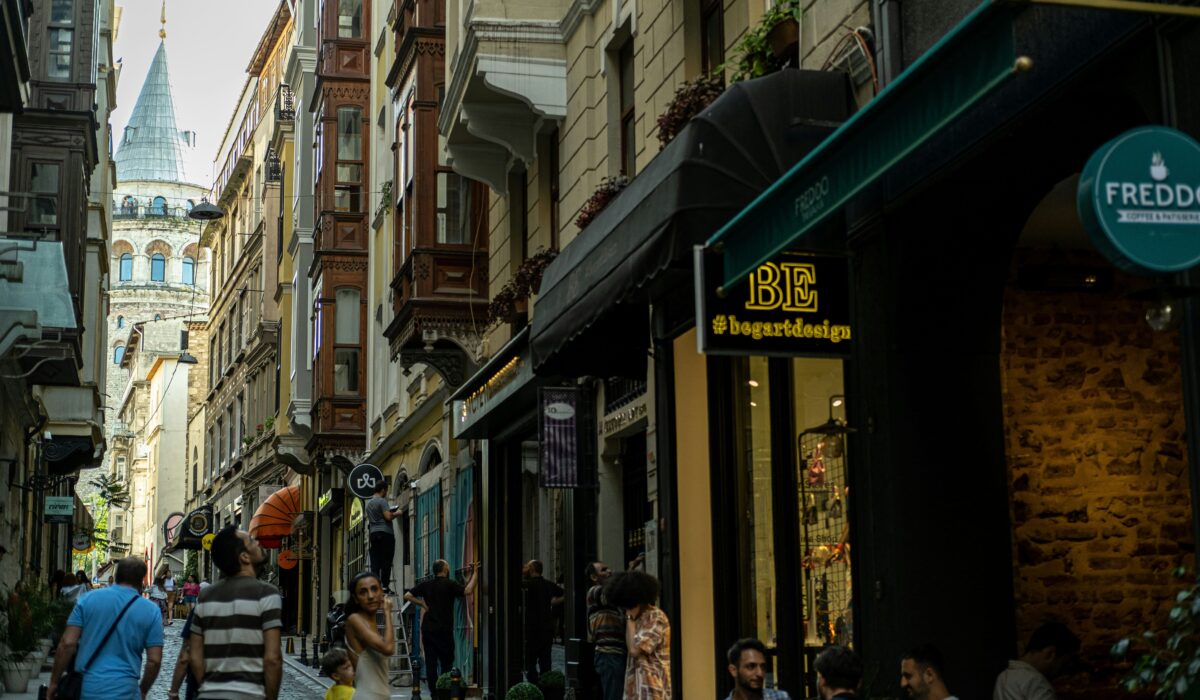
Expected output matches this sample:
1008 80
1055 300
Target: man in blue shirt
748 666
112 671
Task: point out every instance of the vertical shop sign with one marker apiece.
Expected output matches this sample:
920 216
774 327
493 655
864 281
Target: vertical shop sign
559 422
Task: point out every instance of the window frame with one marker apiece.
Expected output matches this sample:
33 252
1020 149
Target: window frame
64 26
161 259
346 345
626 110
188 266
353 188
710 10
122 275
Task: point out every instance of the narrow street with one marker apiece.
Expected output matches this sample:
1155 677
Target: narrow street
295 686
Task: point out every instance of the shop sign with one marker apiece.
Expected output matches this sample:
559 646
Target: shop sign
796 304
58 509
502 384
364 479
1139 200
559 438
356 512
81 542
330 501
624 417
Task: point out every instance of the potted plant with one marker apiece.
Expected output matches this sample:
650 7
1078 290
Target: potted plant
443 686
524 691
512 301
690 99
269 421
21 640
609 188
766 47
553 685
1171 663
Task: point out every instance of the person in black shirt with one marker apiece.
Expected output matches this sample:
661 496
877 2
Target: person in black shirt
436 597
541 597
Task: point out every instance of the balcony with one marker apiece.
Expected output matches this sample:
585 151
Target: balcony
285 104
133 211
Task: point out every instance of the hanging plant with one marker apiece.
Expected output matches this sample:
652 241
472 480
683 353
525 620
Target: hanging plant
690 99
1171 664
511 301
609 188
763 48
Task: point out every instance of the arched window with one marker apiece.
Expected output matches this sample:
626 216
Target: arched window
126 268
189 271
159 207
157 317
118 353
158 267
128 205
190 203
120 321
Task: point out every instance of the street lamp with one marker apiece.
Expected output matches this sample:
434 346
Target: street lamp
202 212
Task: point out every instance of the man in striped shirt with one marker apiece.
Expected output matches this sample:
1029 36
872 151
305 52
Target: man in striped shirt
234 648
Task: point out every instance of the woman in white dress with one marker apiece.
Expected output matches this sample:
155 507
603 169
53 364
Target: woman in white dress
370 649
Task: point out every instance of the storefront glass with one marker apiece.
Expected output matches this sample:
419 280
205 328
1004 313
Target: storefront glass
752 384
819 410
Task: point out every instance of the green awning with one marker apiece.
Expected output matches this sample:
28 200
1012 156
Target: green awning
961 69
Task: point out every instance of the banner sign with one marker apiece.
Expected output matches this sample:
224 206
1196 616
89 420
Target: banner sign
1139 200
793 305
559 426
59 509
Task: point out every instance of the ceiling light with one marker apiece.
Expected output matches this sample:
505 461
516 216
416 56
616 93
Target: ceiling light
837 402
753 405
753 382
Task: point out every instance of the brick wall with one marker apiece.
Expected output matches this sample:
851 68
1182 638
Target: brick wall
1096 449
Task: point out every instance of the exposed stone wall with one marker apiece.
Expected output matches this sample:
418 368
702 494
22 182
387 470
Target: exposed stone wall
1095 439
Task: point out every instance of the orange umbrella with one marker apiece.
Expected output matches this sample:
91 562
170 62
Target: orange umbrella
273 519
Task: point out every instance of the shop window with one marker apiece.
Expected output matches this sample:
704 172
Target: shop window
43 182
158 267
453 208
348 313
189 271
118 354
350 19
712 37
628 117
349 168
126 266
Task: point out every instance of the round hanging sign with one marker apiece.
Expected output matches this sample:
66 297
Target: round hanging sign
288 559
364 479
207 541
81 542
1139 199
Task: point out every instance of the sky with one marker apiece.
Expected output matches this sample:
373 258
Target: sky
209 44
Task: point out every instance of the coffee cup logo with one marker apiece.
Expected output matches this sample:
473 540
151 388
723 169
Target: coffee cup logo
1158 169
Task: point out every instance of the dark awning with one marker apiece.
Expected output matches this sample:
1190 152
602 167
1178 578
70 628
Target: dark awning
590 317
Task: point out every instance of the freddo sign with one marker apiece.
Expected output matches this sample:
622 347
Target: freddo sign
1139 199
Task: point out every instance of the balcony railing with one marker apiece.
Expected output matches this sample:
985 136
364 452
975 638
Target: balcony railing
133 211
285 104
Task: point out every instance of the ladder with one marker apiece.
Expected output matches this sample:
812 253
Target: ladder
400 666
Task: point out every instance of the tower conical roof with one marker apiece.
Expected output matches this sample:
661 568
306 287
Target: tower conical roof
152 145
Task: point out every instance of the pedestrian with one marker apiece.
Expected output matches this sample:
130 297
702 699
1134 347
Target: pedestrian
183 670
1049 650
368 646
234 646
436 598
191 590
337 665
606 630
541 597
647 635
56 581
106 634
71 588
81 578
748 666
921 672
158 596
382 537
839 671
169 587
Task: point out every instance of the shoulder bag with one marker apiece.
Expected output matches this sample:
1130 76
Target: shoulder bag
70 685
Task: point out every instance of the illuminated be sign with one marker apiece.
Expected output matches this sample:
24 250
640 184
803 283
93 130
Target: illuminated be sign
788 286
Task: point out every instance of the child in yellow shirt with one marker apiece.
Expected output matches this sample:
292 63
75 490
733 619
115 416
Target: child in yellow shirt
336 664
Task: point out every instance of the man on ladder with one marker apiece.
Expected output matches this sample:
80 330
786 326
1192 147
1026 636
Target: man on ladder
380 514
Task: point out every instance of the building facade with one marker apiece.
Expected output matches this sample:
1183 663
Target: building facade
59 91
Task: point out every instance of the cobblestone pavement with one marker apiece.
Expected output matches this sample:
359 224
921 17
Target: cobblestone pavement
293 687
